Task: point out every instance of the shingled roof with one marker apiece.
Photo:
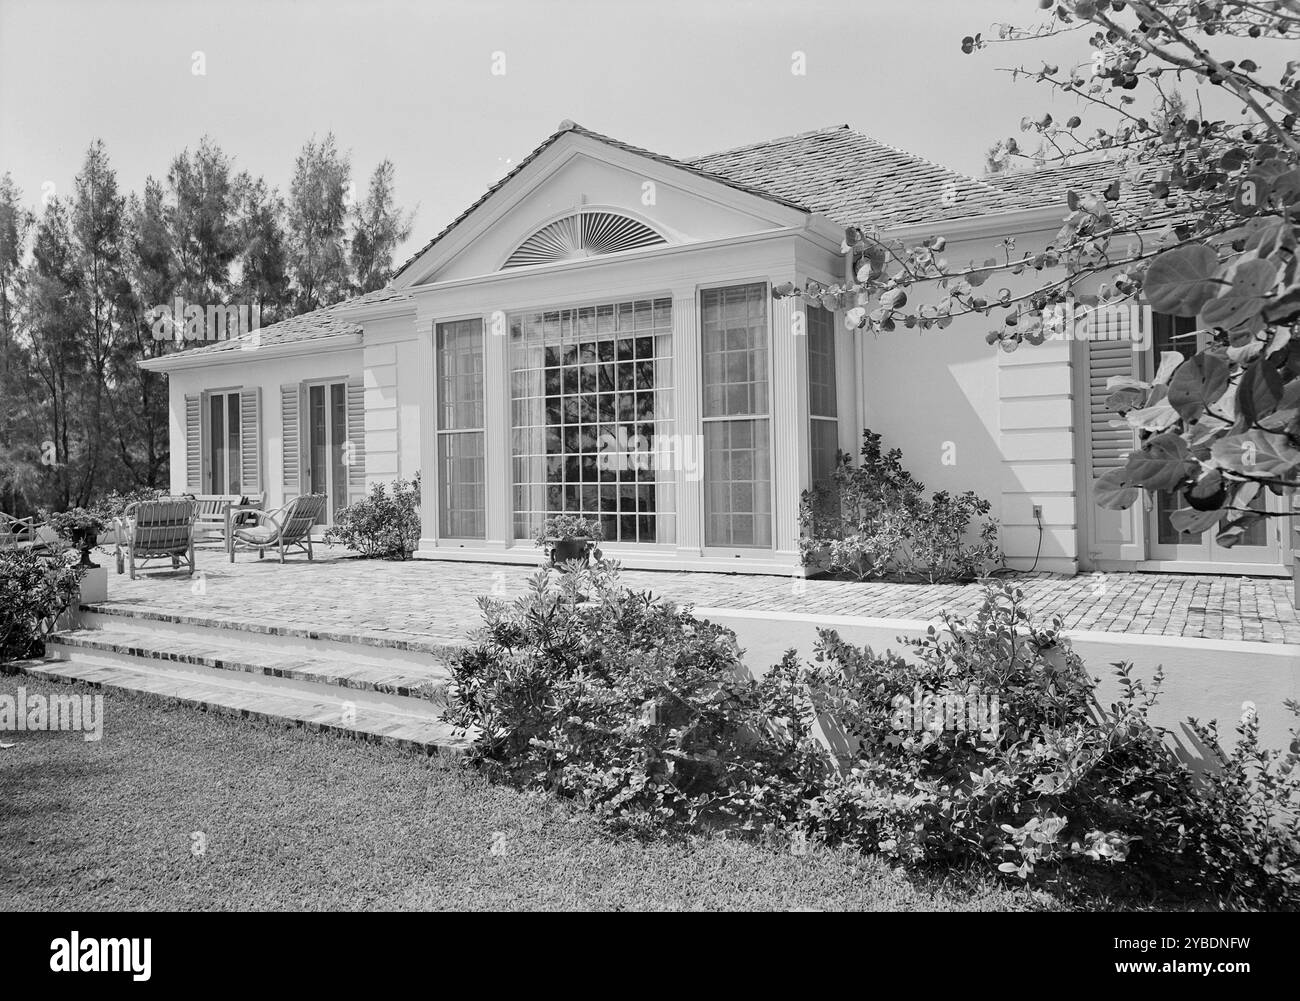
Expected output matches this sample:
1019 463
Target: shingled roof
329 321
1050 185
856 180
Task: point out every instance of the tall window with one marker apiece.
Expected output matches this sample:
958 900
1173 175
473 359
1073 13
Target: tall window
823 412
737 436
591 409
461 493
223 443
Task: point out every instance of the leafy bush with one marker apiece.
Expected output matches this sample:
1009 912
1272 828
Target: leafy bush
646 714
873 520
1038 779
79 519
629 704
34 592
383 525
568 526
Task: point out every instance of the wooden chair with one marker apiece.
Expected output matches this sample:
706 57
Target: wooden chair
150 530
290 526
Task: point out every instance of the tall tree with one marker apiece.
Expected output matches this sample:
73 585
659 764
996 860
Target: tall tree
202 220
18 473
264 252
318 212
378 228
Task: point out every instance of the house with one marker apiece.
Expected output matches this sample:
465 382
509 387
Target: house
598 333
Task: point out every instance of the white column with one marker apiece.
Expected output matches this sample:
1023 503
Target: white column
499 500
428 431
791 459
687 363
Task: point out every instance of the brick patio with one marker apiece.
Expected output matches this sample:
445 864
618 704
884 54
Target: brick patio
426 602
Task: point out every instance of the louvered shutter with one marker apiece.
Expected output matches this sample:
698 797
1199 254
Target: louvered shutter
356 439
250 441
194 443
291 438
1115 535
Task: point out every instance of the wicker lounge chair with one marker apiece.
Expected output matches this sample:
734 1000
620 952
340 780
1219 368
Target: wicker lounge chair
150 530
15 531
290 526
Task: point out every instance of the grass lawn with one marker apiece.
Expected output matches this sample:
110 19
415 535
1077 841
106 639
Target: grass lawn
294 820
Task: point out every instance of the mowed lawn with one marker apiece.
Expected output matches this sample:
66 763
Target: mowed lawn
289 819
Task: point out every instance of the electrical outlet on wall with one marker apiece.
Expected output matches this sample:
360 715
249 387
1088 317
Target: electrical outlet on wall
1038 512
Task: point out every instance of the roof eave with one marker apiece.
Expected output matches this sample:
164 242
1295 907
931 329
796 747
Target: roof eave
186 360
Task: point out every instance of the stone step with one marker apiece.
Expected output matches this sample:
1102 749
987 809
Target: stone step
406 653
411 724
124 640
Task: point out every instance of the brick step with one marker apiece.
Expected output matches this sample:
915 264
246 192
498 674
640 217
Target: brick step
125 640
411 724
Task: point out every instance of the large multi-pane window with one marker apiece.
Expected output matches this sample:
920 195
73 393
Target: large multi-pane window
823 412
737 435
591 411
461 493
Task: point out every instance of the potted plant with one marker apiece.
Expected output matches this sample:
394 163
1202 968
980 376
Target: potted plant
569 537
81 528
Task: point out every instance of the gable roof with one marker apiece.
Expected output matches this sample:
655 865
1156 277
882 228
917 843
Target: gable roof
855 180
328 321
567 127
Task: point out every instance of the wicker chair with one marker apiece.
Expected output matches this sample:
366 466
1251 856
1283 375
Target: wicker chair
150 530
16 531
290 526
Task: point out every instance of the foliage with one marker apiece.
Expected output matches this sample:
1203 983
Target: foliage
78 520
383 525
628 704
1193 212
113 504
874 520
568 526
646 715
34 592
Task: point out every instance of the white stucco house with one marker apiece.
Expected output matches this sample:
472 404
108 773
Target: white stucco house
601 293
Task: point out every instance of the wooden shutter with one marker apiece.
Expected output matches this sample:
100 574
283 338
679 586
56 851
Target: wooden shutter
291 438
250 441
194 443
357 439
1115 535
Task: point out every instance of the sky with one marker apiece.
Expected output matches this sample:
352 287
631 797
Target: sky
413 82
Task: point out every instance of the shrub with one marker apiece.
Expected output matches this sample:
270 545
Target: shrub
79 519
1044 781
873 520
383 525
568 526
34 592
627 703
113 504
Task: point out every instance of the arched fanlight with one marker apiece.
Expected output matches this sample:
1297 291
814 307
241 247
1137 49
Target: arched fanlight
585 234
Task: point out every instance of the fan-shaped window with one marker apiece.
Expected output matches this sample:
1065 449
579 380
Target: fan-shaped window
587 234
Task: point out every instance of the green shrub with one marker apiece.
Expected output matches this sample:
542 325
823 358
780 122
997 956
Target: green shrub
113 504
34 592
629 704
873 520
383 525
1045 782
646 714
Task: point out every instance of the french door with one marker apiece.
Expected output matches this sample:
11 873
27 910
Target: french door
223 471
327 445
1261 542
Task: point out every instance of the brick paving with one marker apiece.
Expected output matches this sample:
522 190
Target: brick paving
426 602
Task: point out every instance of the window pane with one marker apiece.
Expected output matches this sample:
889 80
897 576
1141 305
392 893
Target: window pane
338 444
316 438
460 375
734 328
825 440
737 484
234 471
590 392
821 363
461 493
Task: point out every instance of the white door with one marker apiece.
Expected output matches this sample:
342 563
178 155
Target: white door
327 431
223 466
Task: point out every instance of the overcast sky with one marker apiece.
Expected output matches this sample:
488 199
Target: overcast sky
413 82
